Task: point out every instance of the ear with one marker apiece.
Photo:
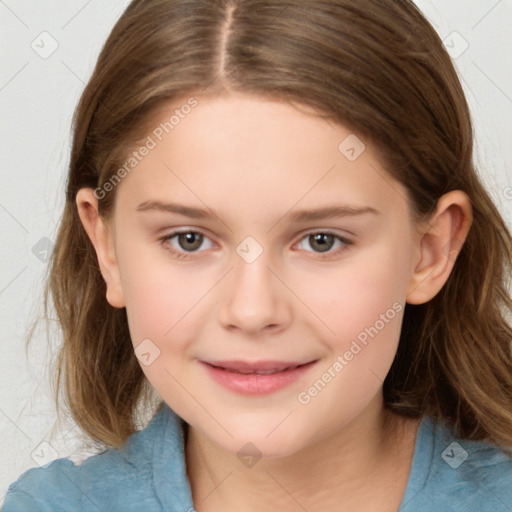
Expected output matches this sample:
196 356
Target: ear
103 243
439 243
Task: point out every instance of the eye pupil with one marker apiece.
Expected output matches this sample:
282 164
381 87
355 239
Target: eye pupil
324 240
191 241
196 239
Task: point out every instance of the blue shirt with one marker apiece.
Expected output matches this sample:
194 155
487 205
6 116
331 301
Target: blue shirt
149 474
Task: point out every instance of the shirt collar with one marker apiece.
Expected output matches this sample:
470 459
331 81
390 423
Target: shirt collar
172 486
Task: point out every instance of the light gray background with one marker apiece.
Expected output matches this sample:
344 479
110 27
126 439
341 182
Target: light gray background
37 99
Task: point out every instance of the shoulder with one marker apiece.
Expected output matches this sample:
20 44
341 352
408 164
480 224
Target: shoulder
459 475
98 482
479 473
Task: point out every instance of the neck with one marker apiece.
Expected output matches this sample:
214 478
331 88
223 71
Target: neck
364 461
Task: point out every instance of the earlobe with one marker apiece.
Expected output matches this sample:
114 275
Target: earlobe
439 245
102 240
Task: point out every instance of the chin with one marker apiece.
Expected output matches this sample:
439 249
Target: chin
251 451
266 442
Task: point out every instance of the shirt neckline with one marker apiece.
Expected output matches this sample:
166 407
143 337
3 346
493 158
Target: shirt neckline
422 461
173 489
170 480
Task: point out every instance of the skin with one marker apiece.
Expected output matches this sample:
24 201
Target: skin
253 162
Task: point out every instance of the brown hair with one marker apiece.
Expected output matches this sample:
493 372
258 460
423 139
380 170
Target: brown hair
376 66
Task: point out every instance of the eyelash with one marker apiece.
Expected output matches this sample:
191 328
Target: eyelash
187 255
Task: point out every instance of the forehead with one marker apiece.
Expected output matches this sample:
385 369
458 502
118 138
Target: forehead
262 154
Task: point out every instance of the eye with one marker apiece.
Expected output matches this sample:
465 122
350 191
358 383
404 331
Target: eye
183 242
324 241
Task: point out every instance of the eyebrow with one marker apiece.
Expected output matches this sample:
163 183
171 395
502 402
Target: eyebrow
329 212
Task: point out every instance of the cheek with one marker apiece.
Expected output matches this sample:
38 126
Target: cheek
163 305
356 294
362 305
158 295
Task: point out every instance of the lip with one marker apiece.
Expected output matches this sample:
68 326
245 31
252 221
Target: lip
256 365
225 374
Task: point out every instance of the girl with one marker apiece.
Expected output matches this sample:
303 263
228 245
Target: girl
274 225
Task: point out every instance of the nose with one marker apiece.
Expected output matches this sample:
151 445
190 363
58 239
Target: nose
255 300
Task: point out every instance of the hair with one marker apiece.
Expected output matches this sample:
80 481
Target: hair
376 66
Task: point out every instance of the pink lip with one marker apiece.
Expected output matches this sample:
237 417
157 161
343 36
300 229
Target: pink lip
255 384
257 365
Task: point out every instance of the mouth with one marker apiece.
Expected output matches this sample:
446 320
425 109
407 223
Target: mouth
258 368
257 378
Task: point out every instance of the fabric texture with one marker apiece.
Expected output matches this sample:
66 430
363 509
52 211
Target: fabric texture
149 474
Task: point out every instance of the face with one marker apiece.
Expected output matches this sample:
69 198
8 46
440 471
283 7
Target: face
254 277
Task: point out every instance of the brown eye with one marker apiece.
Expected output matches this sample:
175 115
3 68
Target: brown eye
325 242
190 241
184 243
321 241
